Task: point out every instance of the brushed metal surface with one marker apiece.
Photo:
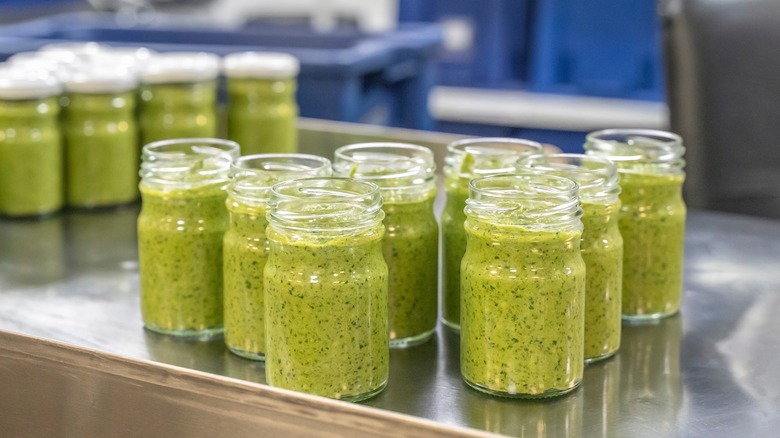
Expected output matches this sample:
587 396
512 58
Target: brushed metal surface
712 371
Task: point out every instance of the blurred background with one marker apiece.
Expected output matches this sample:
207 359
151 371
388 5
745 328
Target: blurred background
548 70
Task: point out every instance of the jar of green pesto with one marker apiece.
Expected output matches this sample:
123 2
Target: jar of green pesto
180 229
178 96
651 219
601 245
468 159
261 107
101 137
245 246
405 176
522 286
326 289
31 179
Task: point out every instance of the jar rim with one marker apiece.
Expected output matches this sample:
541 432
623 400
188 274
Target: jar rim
530 199
188 161
470 157
325 204
387 164
635 145
180 67
597 177
252 176
260 65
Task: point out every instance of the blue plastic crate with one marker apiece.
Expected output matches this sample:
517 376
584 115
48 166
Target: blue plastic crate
606 48
497 54
345 75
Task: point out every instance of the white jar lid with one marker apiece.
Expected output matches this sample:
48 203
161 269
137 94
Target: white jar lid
265 65
30 61
139 54
18 83
63 58
77 48
173 67
100 78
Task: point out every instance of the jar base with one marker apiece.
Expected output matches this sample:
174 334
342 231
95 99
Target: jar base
411 341
364 396
199 335
648 318
546 394
251 355
597 359
453 326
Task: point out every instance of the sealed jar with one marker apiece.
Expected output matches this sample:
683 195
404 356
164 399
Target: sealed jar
180 229
522 286
601 245
326 289
405 176
466 160
178 96
31 179
101 136
652 216
261 107
246 247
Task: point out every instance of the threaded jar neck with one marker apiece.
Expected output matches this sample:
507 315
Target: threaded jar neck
597 177
187 162
252 176
534 201
638 150
332 205
400 170
474 157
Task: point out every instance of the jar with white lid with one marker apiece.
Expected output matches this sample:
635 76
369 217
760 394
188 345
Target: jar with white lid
178 96
101 136
31 176
261 109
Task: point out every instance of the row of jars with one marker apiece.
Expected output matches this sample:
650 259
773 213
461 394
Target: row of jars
73 117
319 276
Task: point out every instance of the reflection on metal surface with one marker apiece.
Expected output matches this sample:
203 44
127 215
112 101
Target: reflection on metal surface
709 372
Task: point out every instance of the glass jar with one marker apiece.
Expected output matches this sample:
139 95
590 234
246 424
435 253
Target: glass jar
651 219
31 179
178 96
522 286
245 247
180 229
326 289
101 136
261 109
405 176
468 159
601 245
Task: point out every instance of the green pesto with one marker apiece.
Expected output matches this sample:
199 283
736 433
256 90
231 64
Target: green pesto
453 248
652 222
178 111
245 254
602 251
262 115
326 316
180 235
30 157
410 248
101 149
522 309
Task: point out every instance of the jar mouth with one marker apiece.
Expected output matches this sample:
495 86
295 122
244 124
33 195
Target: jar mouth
389 165
188 161
473 157
327 203
597 177
532 199
636 145
253 175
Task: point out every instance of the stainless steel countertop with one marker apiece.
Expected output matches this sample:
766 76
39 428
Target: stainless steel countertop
712 371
